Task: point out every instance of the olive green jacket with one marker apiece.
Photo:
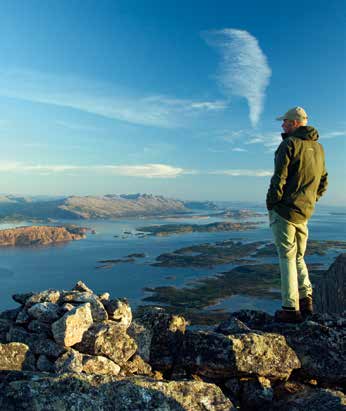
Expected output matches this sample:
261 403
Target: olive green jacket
300 176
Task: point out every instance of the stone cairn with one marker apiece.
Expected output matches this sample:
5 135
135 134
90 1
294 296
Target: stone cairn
63 350
72 331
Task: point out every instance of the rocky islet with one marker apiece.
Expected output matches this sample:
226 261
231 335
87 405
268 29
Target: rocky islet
40 235
170 229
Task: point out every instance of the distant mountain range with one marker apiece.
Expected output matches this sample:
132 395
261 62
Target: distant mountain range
110 206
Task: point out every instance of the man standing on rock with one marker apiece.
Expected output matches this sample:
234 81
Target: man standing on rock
299 180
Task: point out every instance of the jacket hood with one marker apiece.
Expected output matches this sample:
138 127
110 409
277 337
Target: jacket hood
303 132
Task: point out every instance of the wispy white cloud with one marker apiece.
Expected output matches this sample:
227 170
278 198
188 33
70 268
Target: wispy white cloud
333 134
210 105
103 99
215 150
243 172
143 170
244 69
255 140
267 139
270 139
239 149
234 135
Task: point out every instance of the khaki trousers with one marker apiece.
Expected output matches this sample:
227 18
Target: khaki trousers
290 240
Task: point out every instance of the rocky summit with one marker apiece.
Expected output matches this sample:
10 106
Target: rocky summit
76 350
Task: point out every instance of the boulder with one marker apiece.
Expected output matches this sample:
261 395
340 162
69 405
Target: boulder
46 312
109 340
80 286
253 319
16 356
252 354
69 329
319 343
119 310
80 297
49 296
330 290
142 337
136 365
70 361
36 326
320 348
10 315
23 317
38 343
44 364
22 298
99 365
5 325
232 326
232 388
257 394
67 307
104 297
300 397
96 392
167 332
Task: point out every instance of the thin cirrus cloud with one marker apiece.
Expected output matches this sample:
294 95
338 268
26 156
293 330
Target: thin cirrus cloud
243 173
244 70
334 134
270 140
104 100
239 149
144 170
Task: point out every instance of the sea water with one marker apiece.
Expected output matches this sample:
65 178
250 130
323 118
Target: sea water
60 266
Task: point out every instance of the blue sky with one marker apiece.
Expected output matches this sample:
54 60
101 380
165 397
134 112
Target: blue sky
175 98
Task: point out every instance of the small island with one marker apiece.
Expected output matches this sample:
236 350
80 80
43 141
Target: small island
195 299
208 254
236 214
169 229
40 235
130 258
236 252
254 278
314 247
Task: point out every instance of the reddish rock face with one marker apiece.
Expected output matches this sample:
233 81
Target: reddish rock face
39 235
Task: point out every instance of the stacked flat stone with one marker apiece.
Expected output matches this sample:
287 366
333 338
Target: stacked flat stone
69 331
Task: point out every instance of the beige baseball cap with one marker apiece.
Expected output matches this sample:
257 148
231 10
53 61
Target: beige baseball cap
295 113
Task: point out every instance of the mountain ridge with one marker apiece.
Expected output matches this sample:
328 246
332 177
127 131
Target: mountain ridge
109 206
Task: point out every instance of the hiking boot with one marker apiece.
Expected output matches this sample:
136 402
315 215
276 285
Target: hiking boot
305 306
287 315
